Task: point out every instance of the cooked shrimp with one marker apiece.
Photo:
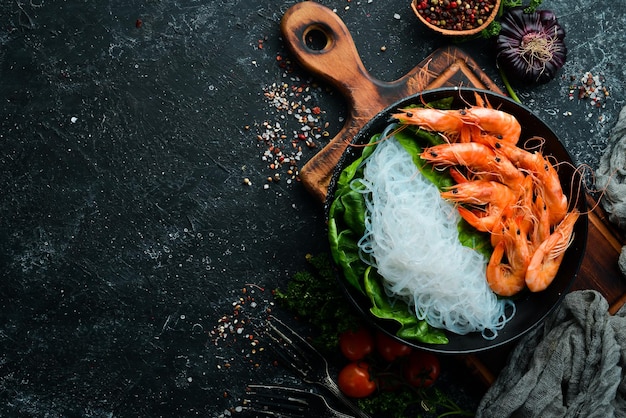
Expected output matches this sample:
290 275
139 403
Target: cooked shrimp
478 158
541 222
469 154
520 252
526 160
480 192
483 220
495 197
458 122
507 279
548 184
448 122
523 209
495 122
549 187
547 258
501 277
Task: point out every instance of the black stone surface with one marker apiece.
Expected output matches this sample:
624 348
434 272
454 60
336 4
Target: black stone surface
127 232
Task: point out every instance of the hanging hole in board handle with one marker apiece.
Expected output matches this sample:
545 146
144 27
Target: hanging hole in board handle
318 38
322 44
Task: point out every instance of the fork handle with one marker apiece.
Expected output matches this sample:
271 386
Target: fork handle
332 387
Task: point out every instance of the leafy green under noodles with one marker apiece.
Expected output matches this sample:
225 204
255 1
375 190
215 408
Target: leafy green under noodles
346 227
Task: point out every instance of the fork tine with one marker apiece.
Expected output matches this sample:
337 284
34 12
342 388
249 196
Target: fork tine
277 396
295 351
278 401
304 360
289 402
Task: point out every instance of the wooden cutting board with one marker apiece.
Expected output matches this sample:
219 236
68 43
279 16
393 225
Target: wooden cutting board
322 44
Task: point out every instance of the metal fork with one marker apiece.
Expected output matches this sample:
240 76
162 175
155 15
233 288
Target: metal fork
280 401
297 354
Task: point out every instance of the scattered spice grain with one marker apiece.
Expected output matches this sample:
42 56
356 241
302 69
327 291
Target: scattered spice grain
295 124
589 87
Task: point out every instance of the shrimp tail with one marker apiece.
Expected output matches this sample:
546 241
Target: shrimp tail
508 279
481 220
502 279
548 256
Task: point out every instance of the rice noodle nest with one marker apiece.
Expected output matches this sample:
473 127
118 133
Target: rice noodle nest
411 238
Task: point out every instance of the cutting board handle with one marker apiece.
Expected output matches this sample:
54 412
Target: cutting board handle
323 45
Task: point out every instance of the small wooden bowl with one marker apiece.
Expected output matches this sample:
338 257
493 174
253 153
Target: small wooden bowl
449 32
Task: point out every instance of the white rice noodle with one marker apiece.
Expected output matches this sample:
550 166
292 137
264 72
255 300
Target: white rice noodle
412 239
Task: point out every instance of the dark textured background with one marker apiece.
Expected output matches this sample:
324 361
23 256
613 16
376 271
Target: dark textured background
127 233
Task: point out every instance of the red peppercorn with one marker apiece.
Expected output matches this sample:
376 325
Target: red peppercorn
455 14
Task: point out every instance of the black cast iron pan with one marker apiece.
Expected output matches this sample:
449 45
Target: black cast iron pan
531 308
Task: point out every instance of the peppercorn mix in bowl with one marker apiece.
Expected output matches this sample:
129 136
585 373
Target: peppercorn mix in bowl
456 17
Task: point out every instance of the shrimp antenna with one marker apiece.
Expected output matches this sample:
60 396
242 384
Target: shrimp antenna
530 146
586 169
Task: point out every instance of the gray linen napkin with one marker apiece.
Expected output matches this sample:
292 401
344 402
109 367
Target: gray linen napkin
574 365
611 175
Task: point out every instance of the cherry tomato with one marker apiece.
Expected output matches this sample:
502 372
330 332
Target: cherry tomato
390 348
356 345
355 380
422 369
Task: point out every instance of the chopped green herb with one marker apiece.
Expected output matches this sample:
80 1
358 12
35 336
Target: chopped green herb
408 402
314 296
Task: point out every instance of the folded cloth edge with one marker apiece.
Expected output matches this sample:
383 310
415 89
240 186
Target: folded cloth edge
572 365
